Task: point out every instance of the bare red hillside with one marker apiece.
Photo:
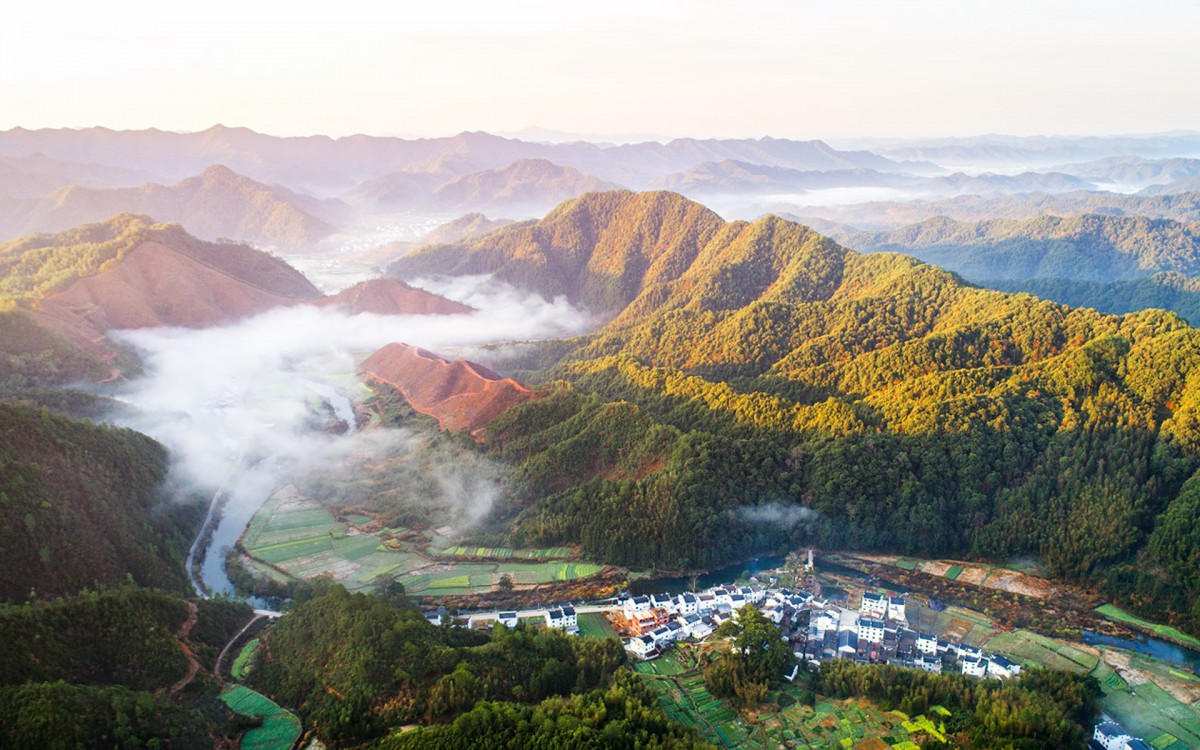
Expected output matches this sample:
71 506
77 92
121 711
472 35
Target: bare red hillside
461 395
392 297
152 285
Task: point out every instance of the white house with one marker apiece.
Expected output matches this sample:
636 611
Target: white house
822 621
969 652
687 604
675 630
636 604
752 594
926 644
508 619
563 619
895 608
724 596
974 666
661 635
643 646
870 630
774 614
792 675
1112 736
700 629
1000 667
873 605
661 601
929 663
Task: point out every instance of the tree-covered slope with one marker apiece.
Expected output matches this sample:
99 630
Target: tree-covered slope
781 390
81 505
600 250
1080 248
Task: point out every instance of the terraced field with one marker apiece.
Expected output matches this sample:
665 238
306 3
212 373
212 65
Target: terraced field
293 538
279 729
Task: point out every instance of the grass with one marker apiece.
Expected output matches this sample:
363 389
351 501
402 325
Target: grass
244 661
954 572
280 728
1113 612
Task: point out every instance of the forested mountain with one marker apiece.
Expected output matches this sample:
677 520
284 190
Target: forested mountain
217 203
1081 248
764 366
82 505
402 670
129 272
109 669
878 215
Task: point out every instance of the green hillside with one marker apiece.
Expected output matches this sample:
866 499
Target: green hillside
1080 248
80 506
903 409
94 669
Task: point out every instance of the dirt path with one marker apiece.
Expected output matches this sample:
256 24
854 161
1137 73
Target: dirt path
184 633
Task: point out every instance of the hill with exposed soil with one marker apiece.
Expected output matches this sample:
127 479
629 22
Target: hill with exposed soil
392 297
461 395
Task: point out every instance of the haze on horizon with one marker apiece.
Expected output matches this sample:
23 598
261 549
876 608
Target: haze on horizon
874 68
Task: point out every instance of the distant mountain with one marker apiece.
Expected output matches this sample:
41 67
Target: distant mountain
1182 185
525 187
1184 207
37 176
1134 170
396 192
391 297
732 177
463 228
986 184
1001 150
327 166
461 395
1165 291
1082 248
215 204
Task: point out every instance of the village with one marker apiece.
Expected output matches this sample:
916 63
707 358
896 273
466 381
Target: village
816 628
817 623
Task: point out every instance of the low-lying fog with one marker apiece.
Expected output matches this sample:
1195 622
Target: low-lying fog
234 404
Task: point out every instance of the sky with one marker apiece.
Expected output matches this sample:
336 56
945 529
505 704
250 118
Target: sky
697 68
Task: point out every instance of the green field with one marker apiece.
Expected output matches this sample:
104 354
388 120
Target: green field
280 728
296 539
954 572
244 661
595 625
829 724
1113 612
1026 648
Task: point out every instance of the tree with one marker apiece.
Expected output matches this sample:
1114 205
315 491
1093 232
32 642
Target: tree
506 582
756 661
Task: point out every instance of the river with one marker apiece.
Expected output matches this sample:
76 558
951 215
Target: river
1180 656
236 503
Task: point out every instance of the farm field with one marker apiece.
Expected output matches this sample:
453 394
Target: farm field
244 661
290 537
828 724
952 623
280 728
595 625
1027 648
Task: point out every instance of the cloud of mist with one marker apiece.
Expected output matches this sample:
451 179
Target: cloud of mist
241 406
777 514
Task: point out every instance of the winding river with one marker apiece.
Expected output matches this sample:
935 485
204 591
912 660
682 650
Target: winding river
232 507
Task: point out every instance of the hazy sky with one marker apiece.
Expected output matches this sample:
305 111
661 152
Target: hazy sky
756 67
